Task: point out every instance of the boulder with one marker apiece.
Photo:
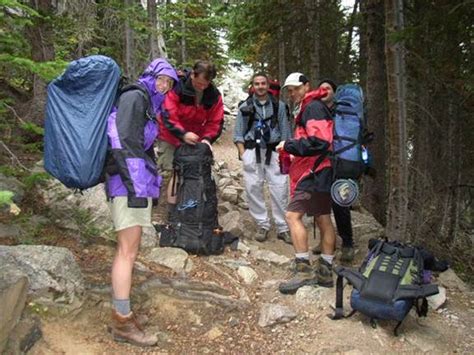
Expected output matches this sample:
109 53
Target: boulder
247 274
9 231
149 238
270 257
230 194
451 281
13 293
271 314
225 207
174 258
55 279
437 301
231 222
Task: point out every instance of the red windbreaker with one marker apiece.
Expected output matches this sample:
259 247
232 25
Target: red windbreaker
181 114
313 136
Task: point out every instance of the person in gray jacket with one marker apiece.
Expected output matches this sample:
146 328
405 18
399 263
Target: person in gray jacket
262 122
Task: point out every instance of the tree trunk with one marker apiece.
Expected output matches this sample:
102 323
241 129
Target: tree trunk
363 45
129 46
374 196
312 12
160 25
40 35
152 20
346 66
183 37
398 168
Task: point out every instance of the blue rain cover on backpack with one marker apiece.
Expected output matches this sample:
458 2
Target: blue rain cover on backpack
79 102
349 127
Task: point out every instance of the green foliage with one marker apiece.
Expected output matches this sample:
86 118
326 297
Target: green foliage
35 179
46 70
87 228
197 25
6 197
30 127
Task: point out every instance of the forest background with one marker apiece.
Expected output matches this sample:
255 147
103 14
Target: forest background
413 58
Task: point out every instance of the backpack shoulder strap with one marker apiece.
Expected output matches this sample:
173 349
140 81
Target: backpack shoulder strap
130 87
251 116
276 107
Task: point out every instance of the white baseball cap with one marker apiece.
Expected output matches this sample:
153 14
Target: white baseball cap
295 79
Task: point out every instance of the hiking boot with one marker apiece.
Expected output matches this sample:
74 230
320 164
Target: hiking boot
323 273
285 236
142 320
262 235
127 329
301 275
316 249
347 254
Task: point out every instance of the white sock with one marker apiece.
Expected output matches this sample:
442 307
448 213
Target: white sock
327 258
304 256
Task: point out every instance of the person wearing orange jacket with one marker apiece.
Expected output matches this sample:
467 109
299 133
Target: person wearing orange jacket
192 112
310 182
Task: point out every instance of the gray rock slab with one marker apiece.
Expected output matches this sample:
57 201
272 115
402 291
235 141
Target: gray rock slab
54 276
24 336
271 314
231 222
437 301
9 231
270 257
149 238
174 258
13 293
450 280
247 274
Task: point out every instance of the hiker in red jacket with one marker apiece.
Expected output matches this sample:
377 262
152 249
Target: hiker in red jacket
192 112
310 182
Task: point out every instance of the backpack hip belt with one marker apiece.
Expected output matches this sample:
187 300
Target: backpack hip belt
271 147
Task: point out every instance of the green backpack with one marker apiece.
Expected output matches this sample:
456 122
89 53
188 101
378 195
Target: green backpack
387 285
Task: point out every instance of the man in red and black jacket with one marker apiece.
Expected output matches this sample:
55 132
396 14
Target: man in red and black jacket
192 112
310 182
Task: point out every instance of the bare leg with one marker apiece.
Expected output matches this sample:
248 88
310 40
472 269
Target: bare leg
128 243
299 235
328 235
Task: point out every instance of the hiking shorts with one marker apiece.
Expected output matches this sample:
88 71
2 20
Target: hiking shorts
125 217
165 156
312 203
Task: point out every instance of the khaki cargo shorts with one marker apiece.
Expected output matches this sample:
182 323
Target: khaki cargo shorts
125 217
165 156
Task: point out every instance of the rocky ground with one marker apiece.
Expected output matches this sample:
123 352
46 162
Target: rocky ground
55 298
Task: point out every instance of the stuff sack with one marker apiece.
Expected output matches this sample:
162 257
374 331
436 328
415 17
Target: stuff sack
387 285
349 129
78 104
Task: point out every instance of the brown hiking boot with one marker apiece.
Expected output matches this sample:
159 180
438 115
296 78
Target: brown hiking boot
301 274
323 273
127 329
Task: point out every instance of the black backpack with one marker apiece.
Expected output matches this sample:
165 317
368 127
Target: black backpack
387 285
193 225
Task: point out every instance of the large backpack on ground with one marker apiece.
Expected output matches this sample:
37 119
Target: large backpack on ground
350 127
388 284
78 104
193 225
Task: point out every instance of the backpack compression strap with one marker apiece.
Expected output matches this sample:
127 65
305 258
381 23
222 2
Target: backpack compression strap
355 279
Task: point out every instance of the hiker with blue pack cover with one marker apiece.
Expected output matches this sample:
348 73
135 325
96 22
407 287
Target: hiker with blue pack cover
342 214
132 182
309 185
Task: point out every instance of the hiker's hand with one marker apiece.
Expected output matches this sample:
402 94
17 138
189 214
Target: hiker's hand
190 138
208 143
137 202
280 146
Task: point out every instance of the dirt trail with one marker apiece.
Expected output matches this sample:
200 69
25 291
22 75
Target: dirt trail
188 322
